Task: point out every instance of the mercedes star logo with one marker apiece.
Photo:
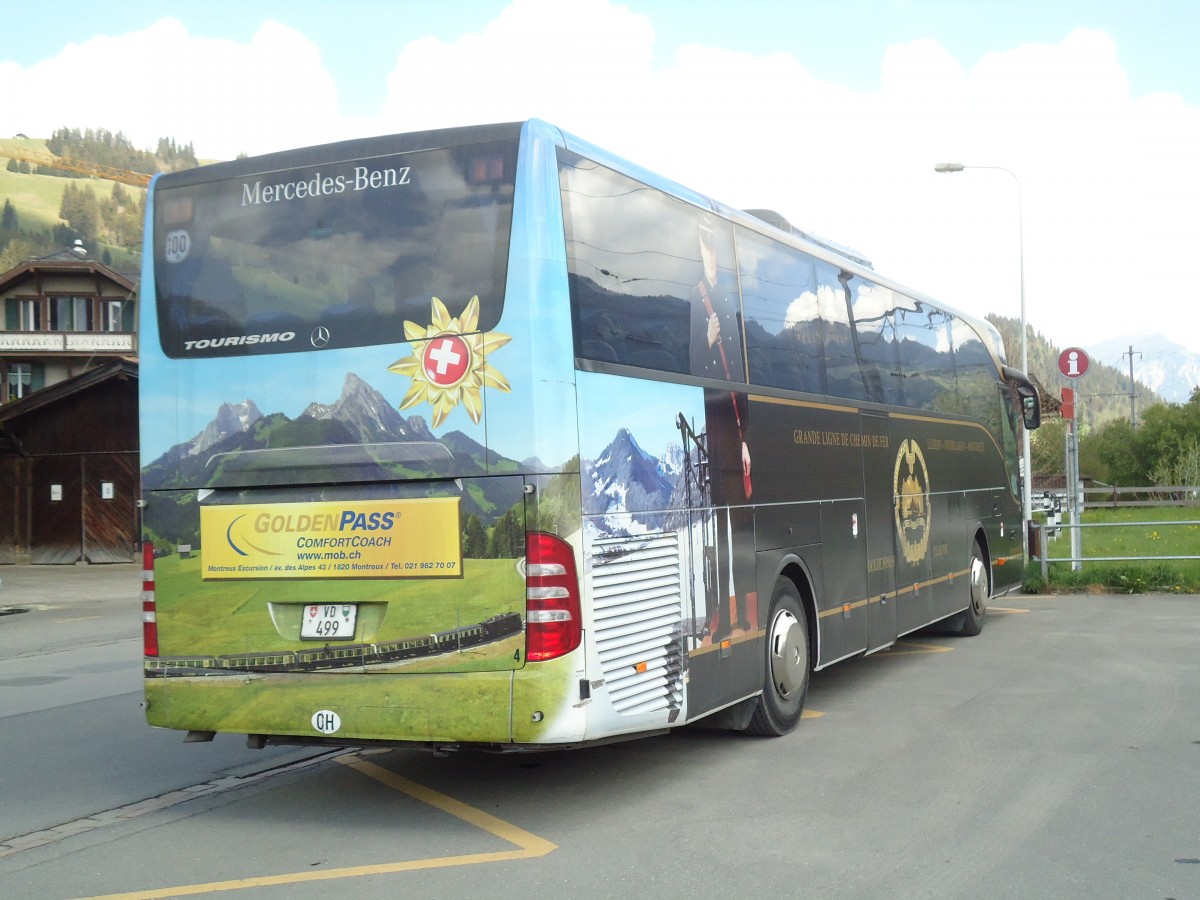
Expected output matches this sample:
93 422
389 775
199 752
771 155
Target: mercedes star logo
319 336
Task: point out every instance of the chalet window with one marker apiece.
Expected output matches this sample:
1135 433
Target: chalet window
70 314
24 378
22 315
110 311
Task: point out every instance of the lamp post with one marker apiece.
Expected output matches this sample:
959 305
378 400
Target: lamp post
1026 482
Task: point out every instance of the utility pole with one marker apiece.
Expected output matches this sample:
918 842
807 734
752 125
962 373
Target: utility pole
1132 389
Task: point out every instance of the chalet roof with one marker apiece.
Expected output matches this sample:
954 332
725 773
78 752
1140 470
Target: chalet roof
65 261
117 368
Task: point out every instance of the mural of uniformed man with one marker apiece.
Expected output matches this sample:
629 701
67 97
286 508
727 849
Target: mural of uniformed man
716 352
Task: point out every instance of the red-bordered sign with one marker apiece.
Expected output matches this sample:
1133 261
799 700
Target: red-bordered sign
1073 362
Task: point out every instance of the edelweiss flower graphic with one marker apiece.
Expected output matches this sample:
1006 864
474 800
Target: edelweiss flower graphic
449 363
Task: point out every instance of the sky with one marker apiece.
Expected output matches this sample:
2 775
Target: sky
1078 120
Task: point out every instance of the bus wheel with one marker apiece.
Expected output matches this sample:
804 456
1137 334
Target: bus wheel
787 666
969 622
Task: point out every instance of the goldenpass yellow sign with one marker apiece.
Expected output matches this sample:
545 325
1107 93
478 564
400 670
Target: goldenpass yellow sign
355 539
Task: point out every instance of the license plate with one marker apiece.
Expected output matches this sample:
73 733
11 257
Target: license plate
328 622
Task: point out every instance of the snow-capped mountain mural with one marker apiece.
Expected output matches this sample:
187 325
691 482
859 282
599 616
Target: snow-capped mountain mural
231 418
368 415
626 479
360 416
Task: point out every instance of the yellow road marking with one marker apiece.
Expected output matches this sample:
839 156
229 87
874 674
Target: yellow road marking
811 714
528 845
906 647
1005 609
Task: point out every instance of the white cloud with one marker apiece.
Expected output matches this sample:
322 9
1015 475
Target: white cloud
576 61
1109 183
223 96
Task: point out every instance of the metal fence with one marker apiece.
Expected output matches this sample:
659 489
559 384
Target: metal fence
1043 532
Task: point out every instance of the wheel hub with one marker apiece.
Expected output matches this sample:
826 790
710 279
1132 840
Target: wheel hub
788 654
979 585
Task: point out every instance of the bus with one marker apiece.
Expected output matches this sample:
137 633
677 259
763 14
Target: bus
486 438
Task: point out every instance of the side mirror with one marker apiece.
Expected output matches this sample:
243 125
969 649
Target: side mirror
1031 408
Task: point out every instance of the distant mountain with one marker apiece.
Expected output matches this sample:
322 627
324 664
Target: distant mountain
1167 368
231 418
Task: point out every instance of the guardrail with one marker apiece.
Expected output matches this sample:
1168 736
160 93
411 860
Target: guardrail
1045 560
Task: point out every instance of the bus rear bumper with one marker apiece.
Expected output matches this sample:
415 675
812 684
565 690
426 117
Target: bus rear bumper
502 710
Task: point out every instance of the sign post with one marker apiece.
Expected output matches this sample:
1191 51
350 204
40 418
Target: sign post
1073 364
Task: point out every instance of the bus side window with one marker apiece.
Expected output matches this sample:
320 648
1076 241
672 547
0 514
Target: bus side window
783 322
632 259
926 356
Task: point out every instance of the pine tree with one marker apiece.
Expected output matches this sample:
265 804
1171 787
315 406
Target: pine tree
474 539
9 223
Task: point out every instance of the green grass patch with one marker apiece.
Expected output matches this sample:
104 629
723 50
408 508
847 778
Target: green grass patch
37 198
220 617
1127 537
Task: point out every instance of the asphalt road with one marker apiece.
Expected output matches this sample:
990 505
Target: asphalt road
73 738
1055 755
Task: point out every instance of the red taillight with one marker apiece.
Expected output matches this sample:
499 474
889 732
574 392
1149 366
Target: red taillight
552 616
149 616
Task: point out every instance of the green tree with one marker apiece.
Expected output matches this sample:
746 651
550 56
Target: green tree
1154 450
1166 433
1183 470
1047 446
1114 447
9 223
507 540
474 539
24 247
81 210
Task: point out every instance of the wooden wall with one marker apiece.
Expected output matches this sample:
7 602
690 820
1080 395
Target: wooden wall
71 492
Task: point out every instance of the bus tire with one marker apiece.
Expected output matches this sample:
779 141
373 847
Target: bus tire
969 622
785 683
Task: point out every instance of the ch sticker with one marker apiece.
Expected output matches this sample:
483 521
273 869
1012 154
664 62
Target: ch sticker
911 486
326 721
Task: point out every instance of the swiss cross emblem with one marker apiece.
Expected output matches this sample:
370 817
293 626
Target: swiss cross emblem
446 359
450 364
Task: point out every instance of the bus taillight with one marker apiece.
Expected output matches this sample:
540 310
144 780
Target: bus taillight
149 615
552 612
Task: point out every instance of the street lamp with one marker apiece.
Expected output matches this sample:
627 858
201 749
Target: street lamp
1026 482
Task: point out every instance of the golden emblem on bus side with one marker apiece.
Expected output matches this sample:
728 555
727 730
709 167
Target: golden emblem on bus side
449 362
911 486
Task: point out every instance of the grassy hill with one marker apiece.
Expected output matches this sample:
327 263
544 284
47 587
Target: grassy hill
38 199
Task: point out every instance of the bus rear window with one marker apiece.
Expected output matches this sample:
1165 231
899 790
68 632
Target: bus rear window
336 254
